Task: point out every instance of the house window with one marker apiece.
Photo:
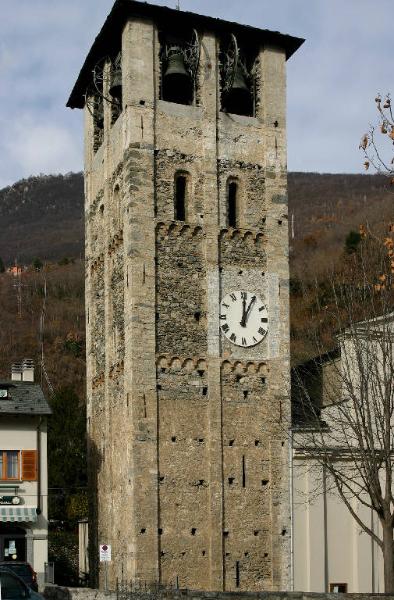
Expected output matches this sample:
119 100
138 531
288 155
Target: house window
3 393
18 465
9 464
180 197
338 588
232 201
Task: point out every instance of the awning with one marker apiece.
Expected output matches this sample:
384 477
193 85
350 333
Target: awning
22 514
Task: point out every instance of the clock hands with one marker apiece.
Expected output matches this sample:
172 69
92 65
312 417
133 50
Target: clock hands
246 313
243 309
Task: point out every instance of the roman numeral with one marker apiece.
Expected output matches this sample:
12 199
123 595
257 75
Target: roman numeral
226 305
233 337
225 328
233 297
261 331
254 339
264 320
222 317
243 341
261 308
244 295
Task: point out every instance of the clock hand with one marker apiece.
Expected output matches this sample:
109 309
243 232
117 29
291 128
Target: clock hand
242 322
248 311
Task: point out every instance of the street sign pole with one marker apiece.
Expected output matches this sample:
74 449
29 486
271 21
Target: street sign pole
105 557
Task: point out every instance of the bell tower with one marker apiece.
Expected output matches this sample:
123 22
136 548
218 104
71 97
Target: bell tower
187 299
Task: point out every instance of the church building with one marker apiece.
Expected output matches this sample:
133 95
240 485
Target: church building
187 299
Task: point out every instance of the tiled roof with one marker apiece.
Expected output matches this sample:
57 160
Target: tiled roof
24 398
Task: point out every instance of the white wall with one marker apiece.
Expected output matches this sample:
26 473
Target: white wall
19 432
329 546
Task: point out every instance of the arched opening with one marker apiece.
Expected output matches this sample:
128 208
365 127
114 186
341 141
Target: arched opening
177 84
232 204
179 58
238 77
180 186
116 204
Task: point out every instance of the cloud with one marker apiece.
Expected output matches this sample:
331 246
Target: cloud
332 79
34 147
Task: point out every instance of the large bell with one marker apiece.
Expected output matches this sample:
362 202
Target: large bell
177 84
115 89
239 98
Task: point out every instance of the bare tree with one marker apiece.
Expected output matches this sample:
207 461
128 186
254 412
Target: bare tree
377 152
347 426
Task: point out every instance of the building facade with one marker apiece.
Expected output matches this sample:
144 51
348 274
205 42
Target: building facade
332 551
187 299
23 470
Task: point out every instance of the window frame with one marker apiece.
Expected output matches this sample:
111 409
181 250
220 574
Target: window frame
4 466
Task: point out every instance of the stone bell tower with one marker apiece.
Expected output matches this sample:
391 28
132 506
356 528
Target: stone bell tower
187 299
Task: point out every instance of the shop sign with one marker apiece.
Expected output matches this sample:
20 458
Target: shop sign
14 500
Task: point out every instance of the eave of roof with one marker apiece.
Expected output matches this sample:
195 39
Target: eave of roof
107 40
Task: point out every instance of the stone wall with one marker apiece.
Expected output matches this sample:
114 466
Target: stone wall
188 462
181 305
60 593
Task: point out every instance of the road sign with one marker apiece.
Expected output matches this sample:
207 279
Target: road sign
105 553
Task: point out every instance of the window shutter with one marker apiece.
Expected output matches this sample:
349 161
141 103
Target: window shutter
29 465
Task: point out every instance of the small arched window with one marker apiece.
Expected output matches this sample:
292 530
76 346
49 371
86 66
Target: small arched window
232 204
116 197
180 185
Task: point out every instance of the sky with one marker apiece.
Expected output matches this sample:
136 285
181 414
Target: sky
332 79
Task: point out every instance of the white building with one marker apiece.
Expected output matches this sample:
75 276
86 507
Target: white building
331 551
23 470
350 391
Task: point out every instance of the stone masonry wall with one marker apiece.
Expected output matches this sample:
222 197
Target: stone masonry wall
183 470
187 459
181 291
61 593
246 475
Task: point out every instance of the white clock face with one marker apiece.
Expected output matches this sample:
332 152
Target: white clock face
243 318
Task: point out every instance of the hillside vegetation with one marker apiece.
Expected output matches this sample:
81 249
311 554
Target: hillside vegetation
43 217
44 310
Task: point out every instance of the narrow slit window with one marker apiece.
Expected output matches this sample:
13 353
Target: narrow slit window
243 472
232 204
180 198
237 574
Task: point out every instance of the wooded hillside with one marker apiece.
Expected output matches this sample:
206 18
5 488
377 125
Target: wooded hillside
43 217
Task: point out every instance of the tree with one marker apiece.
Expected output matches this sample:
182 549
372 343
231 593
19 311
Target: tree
352 241
67 451
345 424
377 155
37 264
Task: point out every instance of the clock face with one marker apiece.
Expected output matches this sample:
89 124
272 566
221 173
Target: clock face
243 318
